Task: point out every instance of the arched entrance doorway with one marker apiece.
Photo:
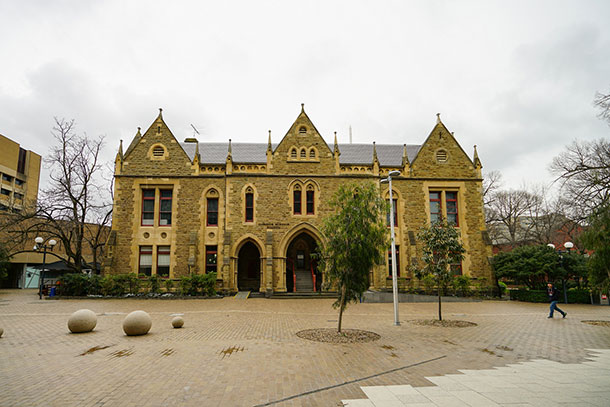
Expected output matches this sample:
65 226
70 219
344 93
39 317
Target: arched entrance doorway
248 268
301 269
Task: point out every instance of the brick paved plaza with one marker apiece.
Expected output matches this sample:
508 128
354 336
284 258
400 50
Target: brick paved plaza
245 352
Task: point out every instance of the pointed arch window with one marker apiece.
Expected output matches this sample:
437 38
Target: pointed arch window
293 153
296 200
302 130
303 153
249 203
312 153
212 208
310 200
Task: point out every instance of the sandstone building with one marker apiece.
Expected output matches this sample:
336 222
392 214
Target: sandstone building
20 174
252 211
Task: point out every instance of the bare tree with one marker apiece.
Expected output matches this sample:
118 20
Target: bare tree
548 216
583 171
492 182
602 101
75 208
508 217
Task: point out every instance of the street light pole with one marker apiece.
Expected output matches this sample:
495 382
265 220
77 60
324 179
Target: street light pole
38 247
568 246
394 277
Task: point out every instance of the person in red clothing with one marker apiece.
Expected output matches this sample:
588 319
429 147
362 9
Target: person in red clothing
554 297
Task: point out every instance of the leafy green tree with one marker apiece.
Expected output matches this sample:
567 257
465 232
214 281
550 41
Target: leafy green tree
356 239
531 266
441 248
597 239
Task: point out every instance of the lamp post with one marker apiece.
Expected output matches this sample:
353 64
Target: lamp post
568 246
41 246
394 278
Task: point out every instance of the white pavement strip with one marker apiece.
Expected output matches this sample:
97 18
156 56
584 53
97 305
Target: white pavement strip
535 383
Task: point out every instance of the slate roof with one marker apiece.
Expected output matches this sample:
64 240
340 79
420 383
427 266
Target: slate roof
389 155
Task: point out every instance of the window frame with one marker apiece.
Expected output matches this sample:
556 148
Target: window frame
249 207
311 201
297 204
161 199
208 212
387 215
443 201
211 250
143 252
165 251
397 247
144 200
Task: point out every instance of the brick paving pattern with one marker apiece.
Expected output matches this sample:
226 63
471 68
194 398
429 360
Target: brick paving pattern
235 352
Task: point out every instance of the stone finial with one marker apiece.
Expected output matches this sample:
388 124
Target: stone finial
230 152
375 152
139 133
336 149
438 118
269 148
121 148
405 158
302 107
160 114
476 160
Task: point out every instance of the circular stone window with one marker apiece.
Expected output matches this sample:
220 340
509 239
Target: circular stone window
442 156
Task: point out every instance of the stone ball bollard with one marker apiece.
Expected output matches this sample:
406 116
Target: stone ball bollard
137 323
1 332
83 320
177 322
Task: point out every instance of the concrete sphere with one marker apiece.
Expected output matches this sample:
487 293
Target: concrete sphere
83 320
1 332
177 322
137 323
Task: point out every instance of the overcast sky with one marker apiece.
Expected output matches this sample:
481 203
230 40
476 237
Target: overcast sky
516 78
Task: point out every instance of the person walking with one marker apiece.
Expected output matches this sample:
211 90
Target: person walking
554 297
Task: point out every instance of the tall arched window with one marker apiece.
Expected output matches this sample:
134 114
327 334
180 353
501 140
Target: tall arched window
296 200
312 153
293 153
249 202
212 208
310 200
303 153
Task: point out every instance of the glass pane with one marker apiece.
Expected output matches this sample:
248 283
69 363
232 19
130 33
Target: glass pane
147 219
435 207
212 219
166 205
148 193
165 219
213 205
148 206
249 199
451 195
435 195
434 217
166 193
145 259
249 214
452 218
163 260
451 207
163 271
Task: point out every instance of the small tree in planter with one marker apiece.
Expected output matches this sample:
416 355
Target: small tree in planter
356 239
441 248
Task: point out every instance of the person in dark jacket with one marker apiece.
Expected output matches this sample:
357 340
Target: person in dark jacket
554 297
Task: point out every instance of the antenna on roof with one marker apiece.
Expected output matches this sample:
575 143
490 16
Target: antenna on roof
350 134
196 131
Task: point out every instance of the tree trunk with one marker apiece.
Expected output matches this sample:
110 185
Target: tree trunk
440 316
341 306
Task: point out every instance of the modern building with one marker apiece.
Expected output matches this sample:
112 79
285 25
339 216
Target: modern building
252 212
20 174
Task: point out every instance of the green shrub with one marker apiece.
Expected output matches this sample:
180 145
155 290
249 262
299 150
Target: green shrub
185 286
428 282
74 284
503 287
575 296
461 285
169 284
154 284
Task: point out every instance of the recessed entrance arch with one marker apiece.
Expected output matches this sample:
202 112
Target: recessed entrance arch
249 268
301 267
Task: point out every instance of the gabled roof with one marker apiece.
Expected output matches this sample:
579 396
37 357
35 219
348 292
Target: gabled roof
389 155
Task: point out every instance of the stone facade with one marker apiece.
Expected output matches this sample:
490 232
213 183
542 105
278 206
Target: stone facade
252 212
